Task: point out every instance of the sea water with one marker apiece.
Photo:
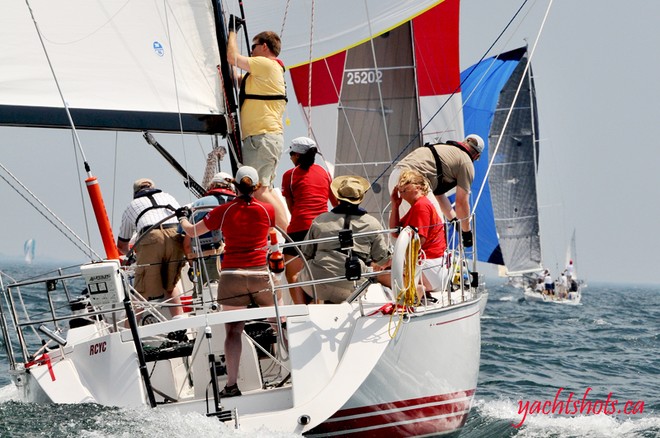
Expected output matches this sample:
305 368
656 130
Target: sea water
533 354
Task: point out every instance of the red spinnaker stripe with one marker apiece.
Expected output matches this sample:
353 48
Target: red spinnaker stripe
327 75
436 40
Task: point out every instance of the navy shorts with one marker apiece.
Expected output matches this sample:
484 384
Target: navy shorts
297 236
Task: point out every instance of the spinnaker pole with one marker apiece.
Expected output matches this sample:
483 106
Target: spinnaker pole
189 181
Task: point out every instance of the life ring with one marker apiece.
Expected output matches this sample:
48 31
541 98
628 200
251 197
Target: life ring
404 264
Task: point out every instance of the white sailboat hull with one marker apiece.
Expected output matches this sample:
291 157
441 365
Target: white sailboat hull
349 373
573 298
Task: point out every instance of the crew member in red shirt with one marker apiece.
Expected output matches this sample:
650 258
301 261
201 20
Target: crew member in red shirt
244 278
306 189
413 188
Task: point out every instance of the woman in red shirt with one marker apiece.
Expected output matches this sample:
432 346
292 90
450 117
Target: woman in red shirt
413 188
306 189
244 278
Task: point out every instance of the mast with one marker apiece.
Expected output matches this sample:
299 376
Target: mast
227 78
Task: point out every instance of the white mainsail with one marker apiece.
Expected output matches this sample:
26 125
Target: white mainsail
118 64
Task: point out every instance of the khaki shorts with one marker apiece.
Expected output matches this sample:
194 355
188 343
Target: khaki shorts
236 286
160 258
263 152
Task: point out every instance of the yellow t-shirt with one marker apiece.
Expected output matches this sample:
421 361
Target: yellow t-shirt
263 116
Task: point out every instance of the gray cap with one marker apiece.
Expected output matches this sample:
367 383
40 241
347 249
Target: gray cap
301 145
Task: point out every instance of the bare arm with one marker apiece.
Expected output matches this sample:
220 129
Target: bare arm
187 246
333 200
193 229
234 56
122 246
445 206
395 220
463 208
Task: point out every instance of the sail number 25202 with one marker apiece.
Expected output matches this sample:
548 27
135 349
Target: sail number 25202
362 77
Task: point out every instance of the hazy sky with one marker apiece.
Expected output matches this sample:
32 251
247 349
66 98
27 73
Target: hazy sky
595 67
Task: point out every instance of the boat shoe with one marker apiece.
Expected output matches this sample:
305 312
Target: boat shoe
230 391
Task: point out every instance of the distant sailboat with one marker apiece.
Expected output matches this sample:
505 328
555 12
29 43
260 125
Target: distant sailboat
28 249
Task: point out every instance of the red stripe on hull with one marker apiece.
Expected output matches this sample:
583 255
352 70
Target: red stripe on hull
414 417
403 403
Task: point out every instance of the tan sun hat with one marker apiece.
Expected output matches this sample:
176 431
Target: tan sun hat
141 184
350 188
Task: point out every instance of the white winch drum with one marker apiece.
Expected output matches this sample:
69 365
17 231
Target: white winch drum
400 260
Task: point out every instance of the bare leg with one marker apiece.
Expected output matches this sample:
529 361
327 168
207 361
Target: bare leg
233 348
174 297
293 266
266 194
385 279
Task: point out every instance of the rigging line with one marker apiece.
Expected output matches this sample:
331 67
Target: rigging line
59 89
230 123
515 97
286 13
88 248
308 114
114 179
232 119
168 11
309 71
329 166
82 196
380 90
467 99
234 76
418 135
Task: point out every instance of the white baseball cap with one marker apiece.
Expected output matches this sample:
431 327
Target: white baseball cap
479 147
301 145
247 171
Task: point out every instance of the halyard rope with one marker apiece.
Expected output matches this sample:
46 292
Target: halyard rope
407 297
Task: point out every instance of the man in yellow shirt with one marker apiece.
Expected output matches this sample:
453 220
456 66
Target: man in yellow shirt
262 101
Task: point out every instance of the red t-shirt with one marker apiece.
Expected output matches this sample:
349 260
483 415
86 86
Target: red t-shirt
308 191
423 216
245 229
